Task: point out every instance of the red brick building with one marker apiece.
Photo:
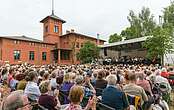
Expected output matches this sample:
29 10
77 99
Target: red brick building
55 47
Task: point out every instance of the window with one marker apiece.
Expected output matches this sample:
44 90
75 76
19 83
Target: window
56 29
66 42
44 45
17 54
44 56
82 37
32 43
81 44
46 28
31 55
16 42
77 45
65 55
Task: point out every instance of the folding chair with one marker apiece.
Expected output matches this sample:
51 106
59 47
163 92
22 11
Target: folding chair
99 91
101 106
135 101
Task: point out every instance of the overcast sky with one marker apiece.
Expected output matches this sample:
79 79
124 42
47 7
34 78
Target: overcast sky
21 17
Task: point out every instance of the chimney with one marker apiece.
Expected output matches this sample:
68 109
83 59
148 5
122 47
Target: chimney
67 31
98 41
72 31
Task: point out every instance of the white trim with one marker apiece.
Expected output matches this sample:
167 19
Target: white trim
125 42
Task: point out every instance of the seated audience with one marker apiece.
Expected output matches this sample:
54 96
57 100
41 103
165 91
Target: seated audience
100 83
46 100
32 89
120 86
132 89
66 86
53 81
164 73
86 85
144 83
22 81
112 96
76 95
16 101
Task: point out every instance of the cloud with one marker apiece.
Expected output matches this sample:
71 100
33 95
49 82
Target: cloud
21 17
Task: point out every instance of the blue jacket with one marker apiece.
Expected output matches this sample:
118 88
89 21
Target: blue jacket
114 98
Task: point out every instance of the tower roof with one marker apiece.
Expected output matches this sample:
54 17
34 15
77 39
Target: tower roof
52 16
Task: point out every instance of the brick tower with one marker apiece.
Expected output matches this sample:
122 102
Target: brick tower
52 28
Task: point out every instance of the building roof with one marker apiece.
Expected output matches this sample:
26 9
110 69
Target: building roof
125 42
24 38
70 33
53 17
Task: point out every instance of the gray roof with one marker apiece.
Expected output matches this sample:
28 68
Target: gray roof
53 17
81 35
24 38
125 42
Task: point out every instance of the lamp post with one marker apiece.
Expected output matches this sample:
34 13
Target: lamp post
171 1
160 20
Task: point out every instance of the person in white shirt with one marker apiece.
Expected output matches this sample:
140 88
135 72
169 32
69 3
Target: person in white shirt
32 89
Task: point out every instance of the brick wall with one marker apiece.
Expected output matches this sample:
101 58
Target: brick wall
50 36
8 47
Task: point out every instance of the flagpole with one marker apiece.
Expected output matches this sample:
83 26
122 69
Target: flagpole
52 7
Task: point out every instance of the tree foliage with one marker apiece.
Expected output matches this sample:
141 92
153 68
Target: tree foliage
159 44
115 38
163 39
143 24
169 16
140 25
88 52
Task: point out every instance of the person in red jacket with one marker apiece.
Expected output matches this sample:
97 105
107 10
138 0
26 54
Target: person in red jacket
164 73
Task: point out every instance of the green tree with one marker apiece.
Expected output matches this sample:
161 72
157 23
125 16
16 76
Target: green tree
135 24
128 33
141 25
162 39
115 38
168 16
88 52
159 44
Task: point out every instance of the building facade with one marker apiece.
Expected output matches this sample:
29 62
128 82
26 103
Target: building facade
131 48
55 47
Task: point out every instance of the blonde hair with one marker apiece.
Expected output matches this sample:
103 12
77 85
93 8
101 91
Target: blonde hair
76 92
72 76
44 86
66 78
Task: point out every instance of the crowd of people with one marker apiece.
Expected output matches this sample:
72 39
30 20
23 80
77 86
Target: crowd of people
84 87
127 60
